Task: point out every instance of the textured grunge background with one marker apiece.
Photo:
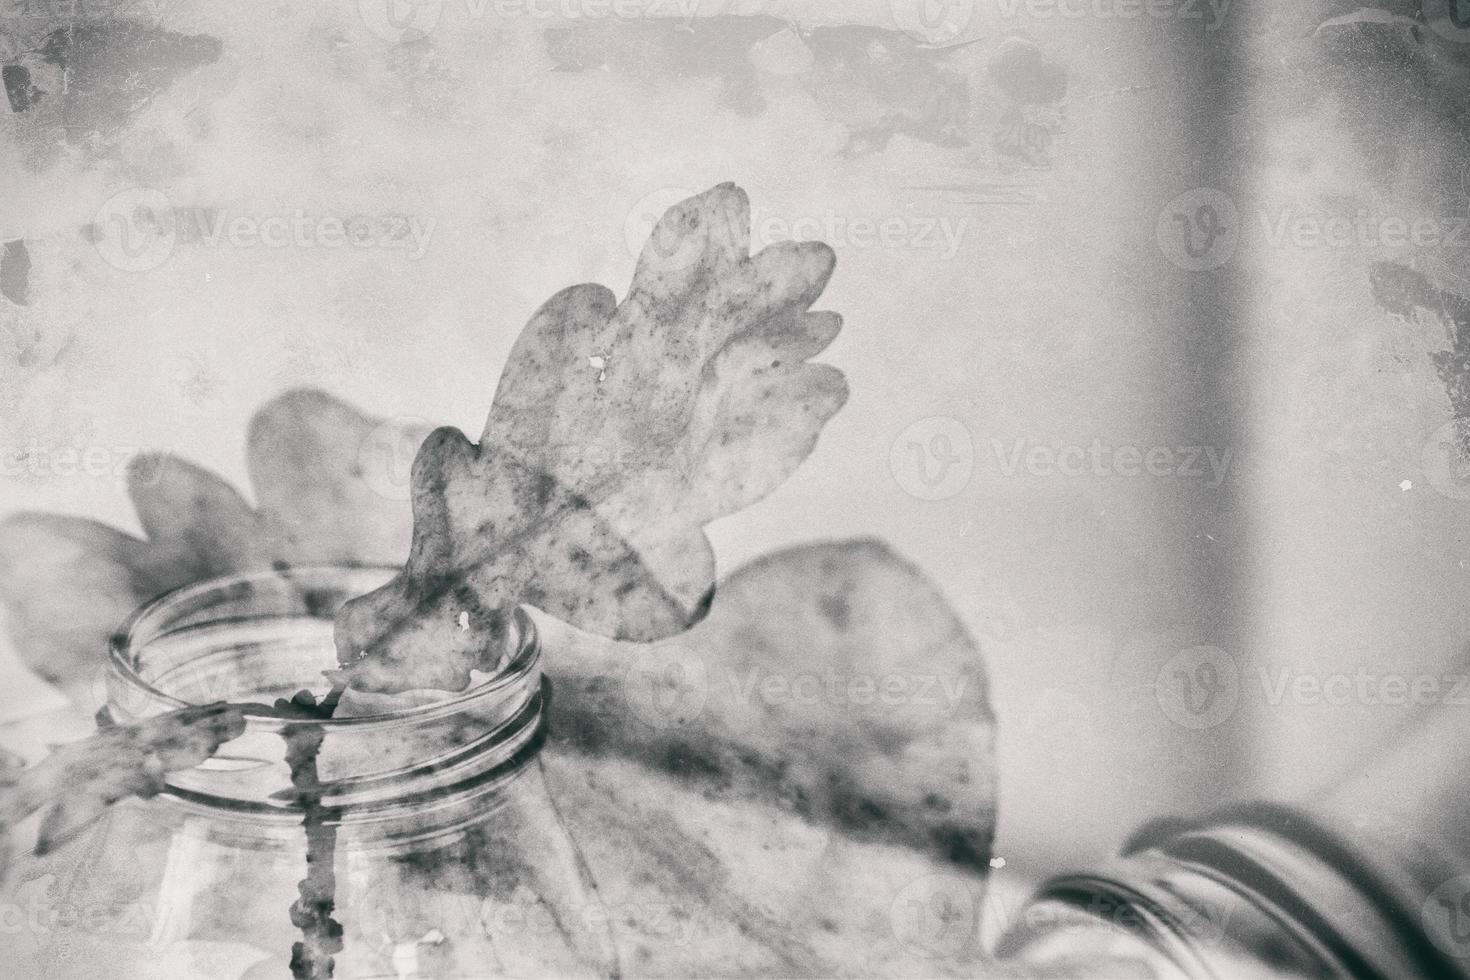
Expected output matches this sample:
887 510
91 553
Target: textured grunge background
1110 389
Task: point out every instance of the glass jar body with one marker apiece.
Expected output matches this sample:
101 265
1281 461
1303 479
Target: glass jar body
156 889
424 843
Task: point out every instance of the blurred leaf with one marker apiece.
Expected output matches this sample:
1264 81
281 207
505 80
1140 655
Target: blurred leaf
77 781
618 432
830 680
68 584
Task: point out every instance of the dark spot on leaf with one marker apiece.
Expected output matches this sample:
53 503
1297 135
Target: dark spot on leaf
936 802
963 845
578 536
837 610
685 760
543 485
856 812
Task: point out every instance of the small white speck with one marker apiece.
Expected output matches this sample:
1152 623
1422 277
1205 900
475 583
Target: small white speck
599 363
1406 486
997 863
464 622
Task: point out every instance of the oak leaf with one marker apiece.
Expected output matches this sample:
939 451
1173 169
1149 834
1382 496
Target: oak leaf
78 781
619 430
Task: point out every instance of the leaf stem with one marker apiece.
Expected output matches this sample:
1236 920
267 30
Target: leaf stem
321 935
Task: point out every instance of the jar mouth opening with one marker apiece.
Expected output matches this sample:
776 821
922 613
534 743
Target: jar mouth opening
254 639
154 621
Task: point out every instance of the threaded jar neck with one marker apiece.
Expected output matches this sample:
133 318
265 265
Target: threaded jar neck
1260 889
253 639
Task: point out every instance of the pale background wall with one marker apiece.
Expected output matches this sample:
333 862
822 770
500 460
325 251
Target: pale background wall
1057 322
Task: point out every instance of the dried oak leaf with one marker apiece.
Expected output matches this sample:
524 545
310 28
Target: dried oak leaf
68 583
79 780
617 433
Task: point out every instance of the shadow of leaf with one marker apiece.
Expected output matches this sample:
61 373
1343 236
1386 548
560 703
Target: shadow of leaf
68 583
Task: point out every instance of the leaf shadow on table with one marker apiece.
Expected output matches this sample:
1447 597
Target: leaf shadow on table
836 766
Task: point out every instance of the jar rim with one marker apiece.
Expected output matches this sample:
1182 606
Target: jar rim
132 635
240 626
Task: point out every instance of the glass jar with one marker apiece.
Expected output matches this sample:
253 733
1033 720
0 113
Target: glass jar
406 837
1370 879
